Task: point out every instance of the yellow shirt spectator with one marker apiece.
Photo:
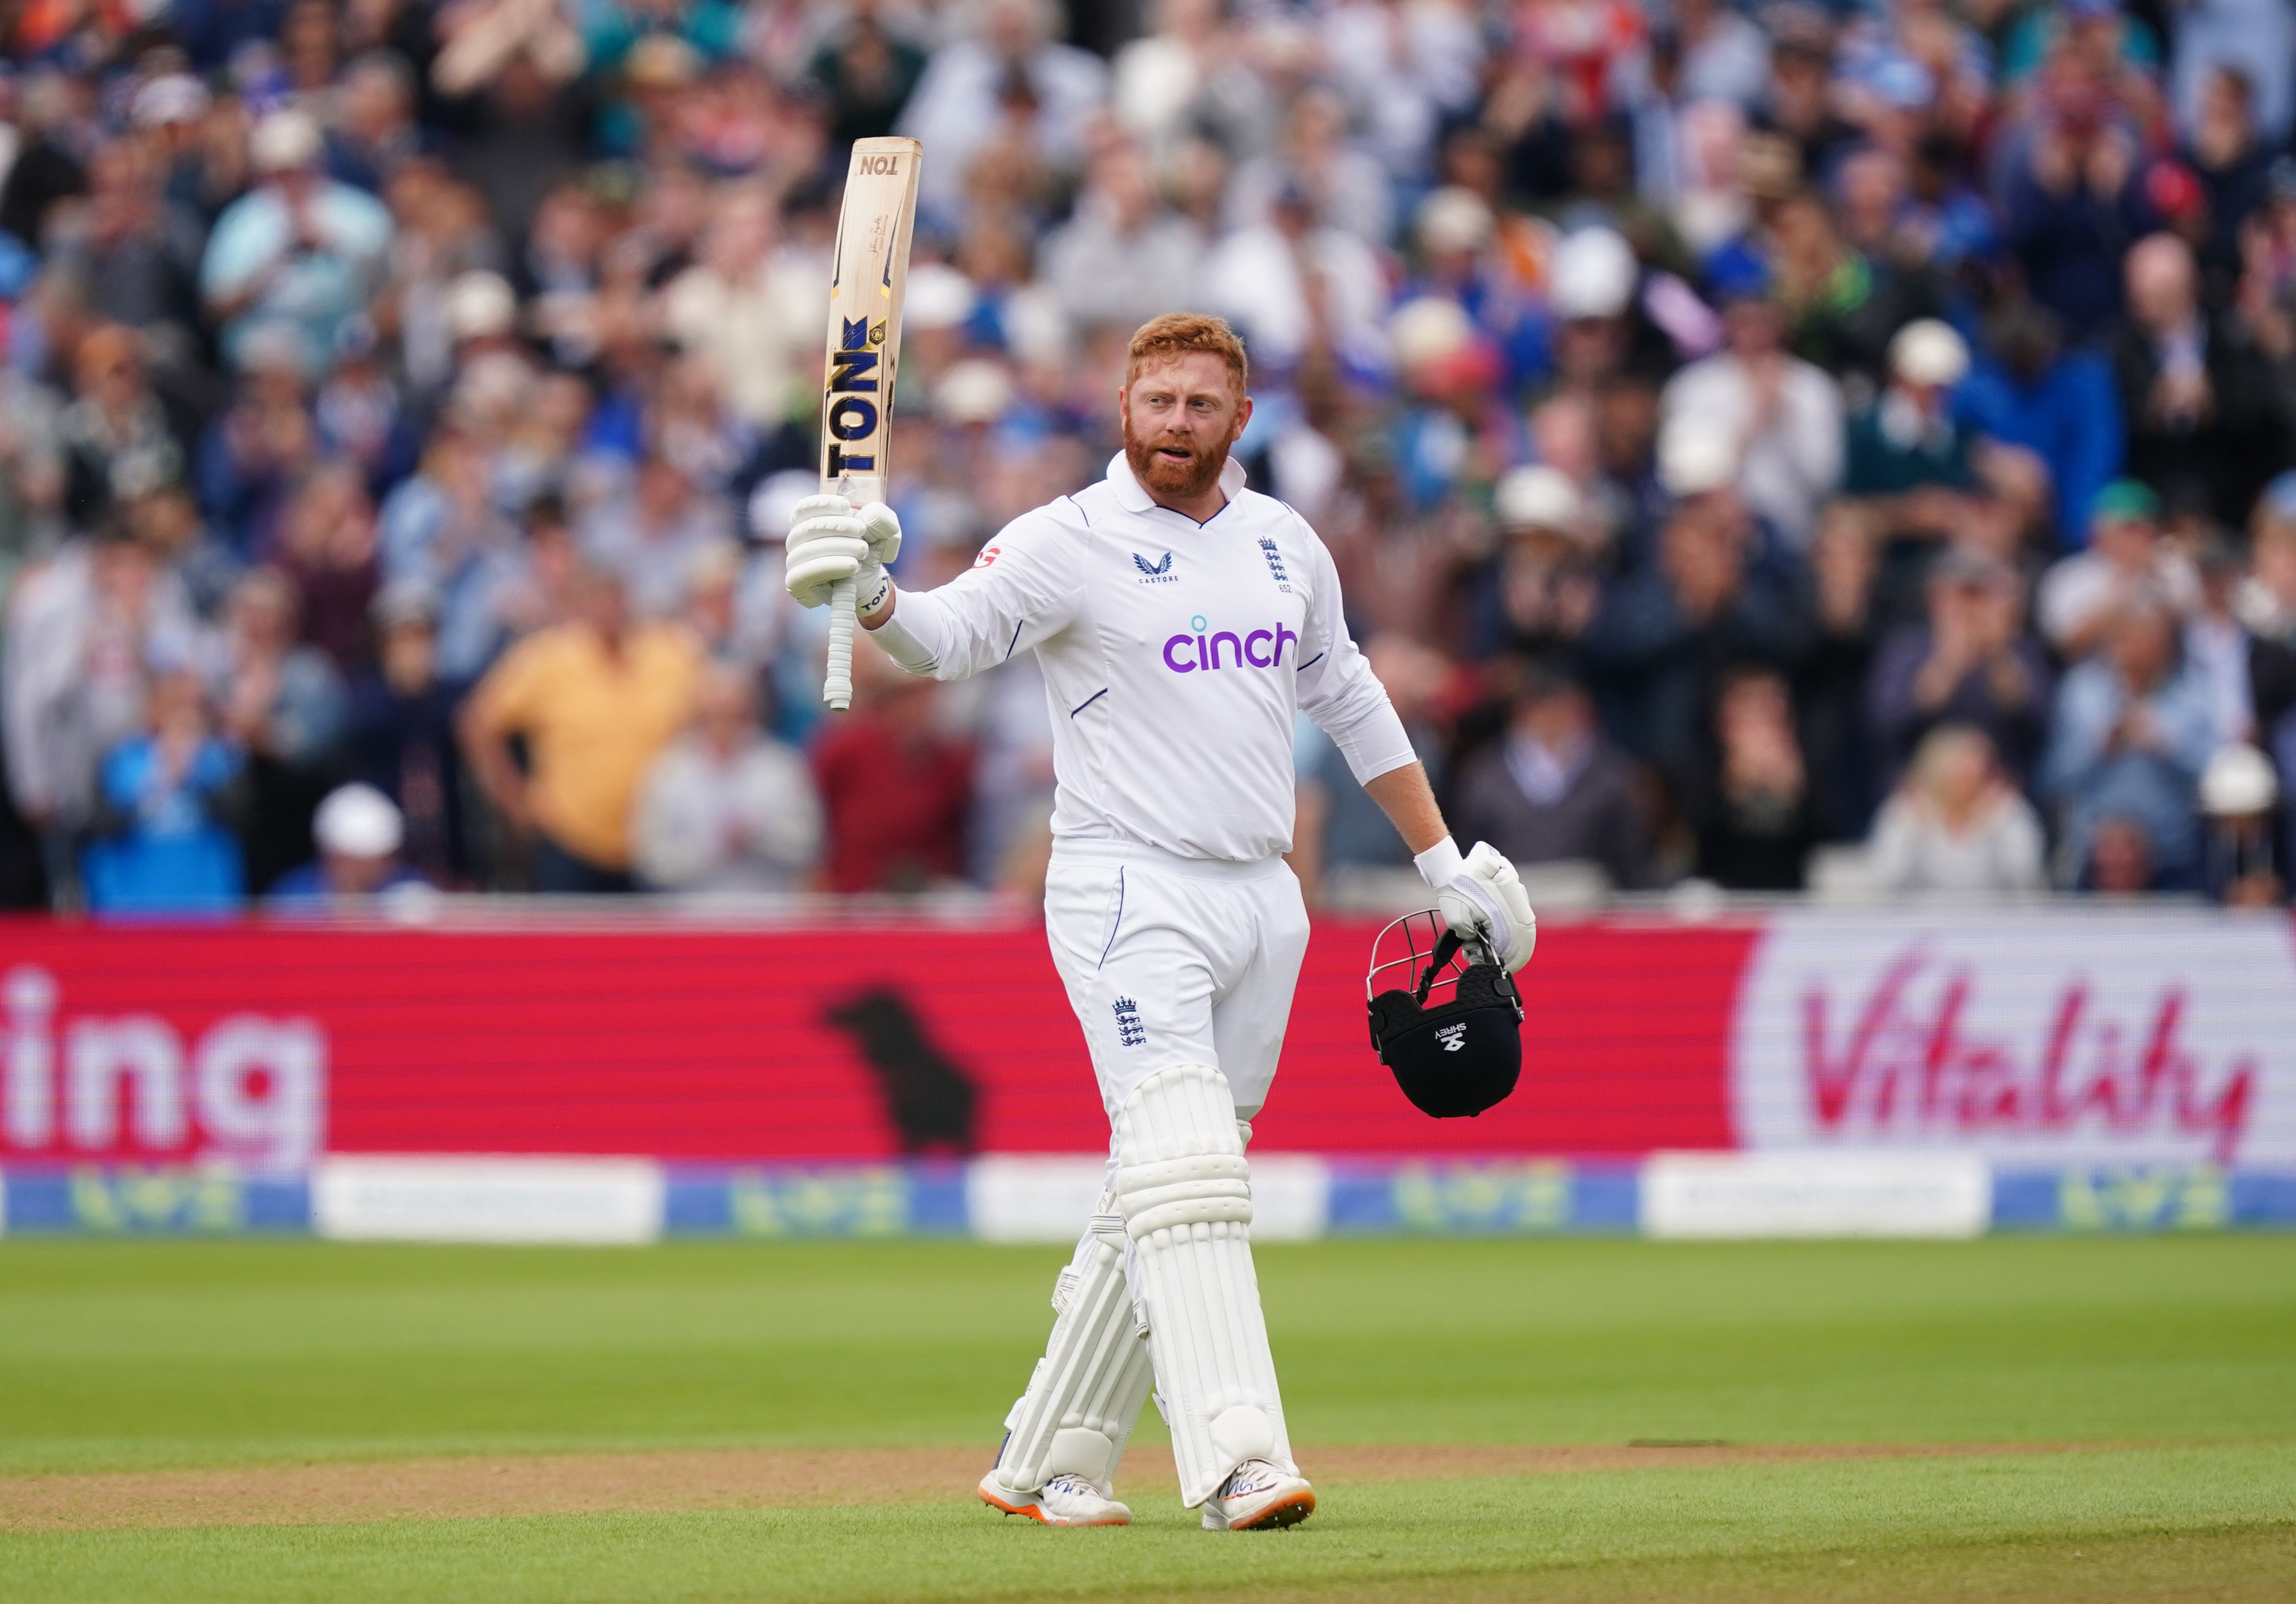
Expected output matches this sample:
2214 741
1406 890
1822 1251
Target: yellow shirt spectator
594 719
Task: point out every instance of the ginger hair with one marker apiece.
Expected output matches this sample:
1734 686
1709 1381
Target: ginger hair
1180 334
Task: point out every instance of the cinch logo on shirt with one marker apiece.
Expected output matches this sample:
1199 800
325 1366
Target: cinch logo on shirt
1261 648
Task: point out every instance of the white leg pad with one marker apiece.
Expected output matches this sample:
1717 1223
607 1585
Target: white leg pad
1078 1414
1183 1187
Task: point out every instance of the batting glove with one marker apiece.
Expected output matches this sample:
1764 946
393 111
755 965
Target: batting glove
830 540
1482 899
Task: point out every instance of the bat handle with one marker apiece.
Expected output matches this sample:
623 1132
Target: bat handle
837 685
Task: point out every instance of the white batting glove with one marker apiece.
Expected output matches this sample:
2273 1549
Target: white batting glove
1482 899
830 540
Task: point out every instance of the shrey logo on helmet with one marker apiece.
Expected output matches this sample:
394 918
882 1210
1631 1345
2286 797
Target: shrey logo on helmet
1451 1031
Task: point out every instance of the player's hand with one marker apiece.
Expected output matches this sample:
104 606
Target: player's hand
830 540
1485 902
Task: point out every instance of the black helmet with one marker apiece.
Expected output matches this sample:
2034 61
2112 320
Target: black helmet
1462 1053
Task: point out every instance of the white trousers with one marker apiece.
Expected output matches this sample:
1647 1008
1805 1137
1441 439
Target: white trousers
1188 968
1171 960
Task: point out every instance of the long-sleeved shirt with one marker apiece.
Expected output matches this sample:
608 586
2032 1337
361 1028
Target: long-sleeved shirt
1176 656
1789 467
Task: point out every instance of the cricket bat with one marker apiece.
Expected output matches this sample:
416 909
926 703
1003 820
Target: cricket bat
868 279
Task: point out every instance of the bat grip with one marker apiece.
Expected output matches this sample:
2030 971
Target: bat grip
837 685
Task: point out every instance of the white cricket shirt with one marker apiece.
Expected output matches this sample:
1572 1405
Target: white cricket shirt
1176 655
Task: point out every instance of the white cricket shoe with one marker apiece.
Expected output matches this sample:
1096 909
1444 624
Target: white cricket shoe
1063 1501
1258 1497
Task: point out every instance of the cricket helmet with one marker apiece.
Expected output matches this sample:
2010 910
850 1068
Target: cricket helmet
1452 1032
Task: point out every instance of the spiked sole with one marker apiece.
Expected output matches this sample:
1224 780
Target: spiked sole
1037 1514
1289 1510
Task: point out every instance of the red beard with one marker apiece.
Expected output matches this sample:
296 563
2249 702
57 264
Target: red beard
1181 481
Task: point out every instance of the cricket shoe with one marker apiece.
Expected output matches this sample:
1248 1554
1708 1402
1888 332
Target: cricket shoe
1063 1501
1258 1497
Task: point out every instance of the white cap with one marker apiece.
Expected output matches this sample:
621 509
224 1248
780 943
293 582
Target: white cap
1428 330
1592 274
1695 456
1929 352
359 821
2238 781
481 305
773 503
286 139
172 97
1454 218
1539 498
975 390
940 296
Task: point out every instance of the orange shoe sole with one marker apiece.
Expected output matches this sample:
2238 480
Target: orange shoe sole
1033 1513
1285 1512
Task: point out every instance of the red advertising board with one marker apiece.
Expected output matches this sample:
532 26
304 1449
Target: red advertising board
273 1042
2034 1037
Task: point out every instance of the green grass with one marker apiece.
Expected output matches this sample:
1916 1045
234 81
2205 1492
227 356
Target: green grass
122 1355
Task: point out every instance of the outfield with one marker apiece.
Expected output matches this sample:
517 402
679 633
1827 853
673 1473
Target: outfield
2035 1418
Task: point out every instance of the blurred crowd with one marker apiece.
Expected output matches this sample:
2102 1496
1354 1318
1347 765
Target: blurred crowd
1759 442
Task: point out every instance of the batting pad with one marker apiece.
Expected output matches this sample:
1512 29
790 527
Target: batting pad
1077 1414
1182 1185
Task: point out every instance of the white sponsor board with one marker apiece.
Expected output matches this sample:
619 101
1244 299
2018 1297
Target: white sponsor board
1047 1197
2036 1037
1816 1195
606 1201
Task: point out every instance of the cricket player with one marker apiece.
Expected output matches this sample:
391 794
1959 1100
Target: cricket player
1181 620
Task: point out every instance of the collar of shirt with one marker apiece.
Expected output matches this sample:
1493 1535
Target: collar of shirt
1133 497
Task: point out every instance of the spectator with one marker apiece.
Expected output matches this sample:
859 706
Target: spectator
1124 256
1755 819
1549 574
2133 730
80 630
2238 793
2026 390
165 804
893 786
1971 665
1655 651
1908 439
1830 697
115 436
301 249
1554 789
402 735
868 70
1782 416
2070 201
652 535
954 105
595 699
359 832
1957 825
2082 595
2196 390
725 808
326 548
281 701
440 529
1340 828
